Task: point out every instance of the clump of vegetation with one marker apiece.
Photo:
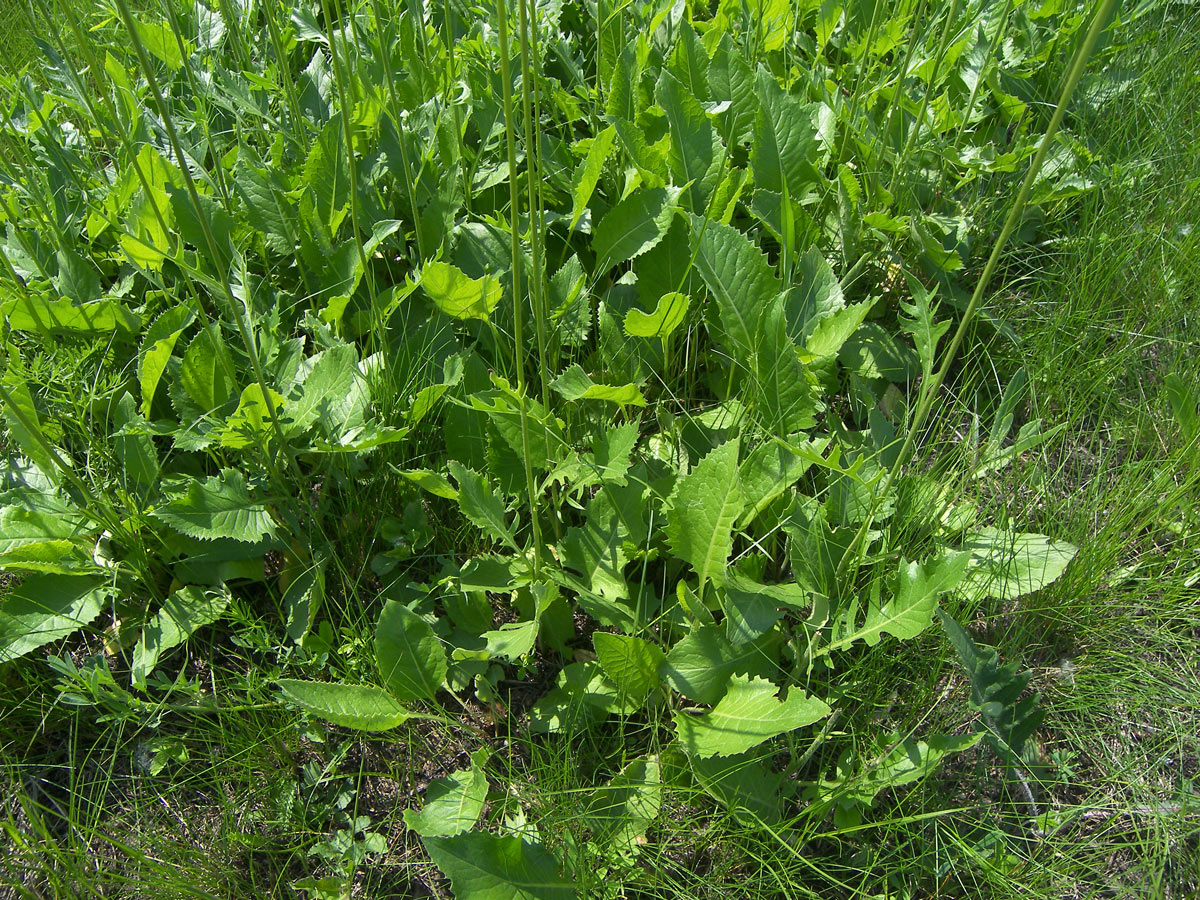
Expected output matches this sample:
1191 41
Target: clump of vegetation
524 433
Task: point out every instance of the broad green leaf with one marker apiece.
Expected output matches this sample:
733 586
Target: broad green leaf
303 600
786 150
206 373
898 761
457 295
327 176
250 425
752 608
77 279
742 784
483 866
630 662
42 533
634 225
1007 565
411 658
46 315
739 277
784 400
835 328
433 482
160 40
513 640
587 175
452 804
575 384
25 427
621 811
700 665
666 317
181 614
747 715
156 349
218 507
480 505
361 706
44 608
909 610
696 153
706 503
772 467
267 205
319 397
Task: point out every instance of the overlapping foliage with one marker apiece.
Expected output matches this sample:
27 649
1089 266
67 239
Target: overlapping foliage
613 317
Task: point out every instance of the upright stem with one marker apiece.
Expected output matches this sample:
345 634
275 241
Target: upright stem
929 390
514 196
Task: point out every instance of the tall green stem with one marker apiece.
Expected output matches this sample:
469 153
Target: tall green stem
514 196
930 389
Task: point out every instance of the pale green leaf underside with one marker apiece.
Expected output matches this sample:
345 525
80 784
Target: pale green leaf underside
218 507
747 715
707 502
45 608
361 706
484 866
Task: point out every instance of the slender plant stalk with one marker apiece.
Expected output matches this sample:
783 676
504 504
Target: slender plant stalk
385 54
930 390
518 303
939 55
223 271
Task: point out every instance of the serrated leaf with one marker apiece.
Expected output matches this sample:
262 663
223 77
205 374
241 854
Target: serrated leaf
739 277
587 175
634 225
773 467
411 658
480 505
695 153
784 401
785 151
899 761
748 714
622 810
457 295
156 349
700 665
997 692
44 608
834 329
920 323
483 866
909 610
576 384
322 393
361 706
205 375
181 614
452 804
668 314
250 425
630 662
218 507
706 503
